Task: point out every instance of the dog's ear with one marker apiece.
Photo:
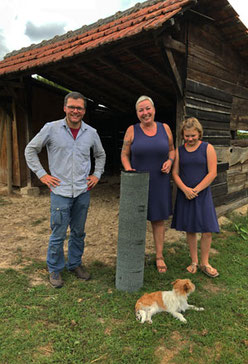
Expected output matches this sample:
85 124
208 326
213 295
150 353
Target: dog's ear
186 287
175 282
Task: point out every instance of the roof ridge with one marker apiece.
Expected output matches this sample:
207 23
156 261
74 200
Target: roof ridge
85 28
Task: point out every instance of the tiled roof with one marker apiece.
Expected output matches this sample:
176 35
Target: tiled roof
142 17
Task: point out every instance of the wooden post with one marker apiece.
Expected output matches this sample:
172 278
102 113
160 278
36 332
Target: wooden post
29 182
178 138
2 119
132 231
9 153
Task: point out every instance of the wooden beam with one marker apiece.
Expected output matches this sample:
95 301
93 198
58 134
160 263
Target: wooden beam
209 91
2 122
167 53
193 15
174 44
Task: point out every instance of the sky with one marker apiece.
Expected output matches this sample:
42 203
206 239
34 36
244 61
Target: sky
25 22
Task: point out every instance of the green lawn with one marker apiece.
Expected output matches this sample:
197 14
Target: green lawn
92 322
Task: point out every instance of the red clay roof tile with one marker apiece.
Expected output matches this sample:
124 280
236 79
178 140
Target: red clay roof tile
145 18
127 24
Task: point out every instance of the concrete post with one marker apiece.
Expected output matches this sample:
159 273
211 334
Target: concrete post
132 230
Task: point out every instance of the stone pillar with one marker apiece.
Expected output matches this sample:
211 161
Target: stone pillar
132 230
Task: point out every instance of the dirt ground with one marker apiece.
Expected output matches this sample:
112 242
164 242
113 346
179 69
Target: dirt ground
25 229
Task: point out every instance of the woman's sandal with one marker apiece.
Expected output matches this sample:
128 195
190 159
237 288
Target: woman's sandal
206 269
192 268
161 268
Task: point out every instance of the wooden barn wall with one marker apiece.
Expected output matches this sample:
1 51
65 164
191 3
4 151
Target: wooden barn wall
15 138
216 92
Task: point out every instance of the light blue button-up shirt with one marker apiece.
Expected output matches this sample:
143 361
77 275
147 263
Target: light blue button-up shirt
68 159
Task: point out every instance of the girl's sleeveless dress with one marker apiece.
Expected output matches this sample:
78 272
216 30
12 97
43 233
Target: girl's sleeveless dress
197 215
148 153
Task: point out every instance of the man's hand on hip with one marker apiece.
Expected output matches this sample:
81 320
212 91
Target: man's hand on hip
50 181
92 181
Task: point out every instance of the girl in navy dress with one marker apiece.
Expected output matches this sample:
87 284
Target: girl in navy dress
148 146
194 169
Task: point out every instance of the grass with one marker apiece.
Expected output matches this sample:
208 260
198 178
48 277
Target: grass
92 322
242 135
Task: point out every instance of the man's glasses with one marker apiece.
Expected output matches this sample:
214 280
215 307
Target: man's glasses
73 108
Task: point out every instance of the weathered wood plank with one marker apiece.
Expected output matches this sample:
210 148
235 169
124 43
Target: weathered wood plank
237 195
205 65
223 206
220 134
205 101
221 167
204 89
240 142
217 141
230 88
221 178
212 40
207 108
208 115
219 189
214 125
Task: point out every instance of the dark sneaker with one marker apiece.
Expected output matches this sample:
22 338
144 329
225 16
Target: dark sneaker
80 272
56 280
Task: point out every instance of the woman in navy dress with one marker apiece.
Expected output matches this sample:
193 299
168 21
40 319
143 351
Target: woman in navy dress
148 146
194 170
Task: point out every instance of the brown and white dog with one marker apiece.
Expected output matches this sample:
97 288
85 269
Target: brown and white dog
174 302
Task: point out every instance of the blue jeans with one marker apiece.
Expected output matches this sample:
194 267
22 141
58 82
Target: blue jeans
67 211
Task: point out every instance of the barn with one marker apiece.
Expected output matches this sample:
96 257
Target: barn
189 56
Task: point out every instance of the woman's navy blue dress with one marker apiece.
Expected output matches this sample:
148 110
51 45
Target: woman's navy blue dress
197 215
148 153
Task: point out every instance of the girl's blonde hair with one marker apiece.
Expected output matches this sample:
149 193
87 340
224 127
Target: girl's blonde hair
192 123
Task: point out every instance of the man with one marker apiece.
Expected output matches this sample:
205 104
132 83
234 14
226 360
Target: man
68 142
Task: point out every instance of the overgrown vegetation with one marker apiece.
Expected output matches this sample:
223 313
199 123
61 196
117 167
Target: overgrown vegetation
242 135
92 322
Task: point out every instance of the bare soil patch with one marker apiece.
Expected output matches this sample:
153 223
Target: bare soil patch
25 226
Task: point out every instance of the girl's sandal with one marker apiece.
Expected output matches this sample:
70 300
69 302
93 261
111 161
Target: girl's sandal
192 268
208 270
161 268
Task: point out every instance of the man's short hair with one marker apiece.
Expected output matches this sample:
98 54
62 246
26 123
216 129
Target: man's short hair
75 95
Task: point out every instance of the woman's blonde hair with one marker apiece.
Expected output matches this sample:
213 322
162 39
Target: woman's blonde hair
143 98
192 123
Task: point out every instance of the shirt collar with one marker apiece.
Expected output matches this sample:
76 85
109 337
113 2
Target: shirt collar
83 125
